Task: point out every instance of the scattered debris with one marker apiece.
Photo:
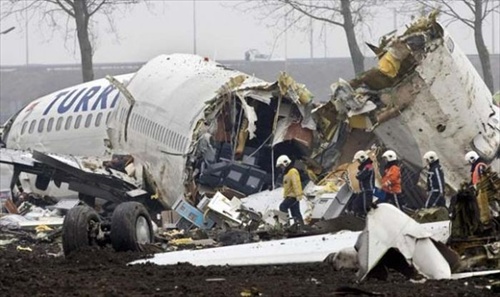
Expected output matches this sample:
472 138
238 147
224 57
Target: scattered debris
24 249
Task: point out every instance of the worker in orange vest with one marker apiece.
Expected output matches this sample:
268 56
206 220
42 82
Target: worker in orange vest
477 166
391 180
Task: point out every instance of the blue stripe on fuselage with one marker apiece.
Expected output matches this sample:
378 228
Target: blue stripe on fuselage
81 98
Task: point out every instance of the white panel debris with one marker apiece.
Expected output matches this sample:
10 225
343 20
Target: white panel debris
307 249
387 228
295 250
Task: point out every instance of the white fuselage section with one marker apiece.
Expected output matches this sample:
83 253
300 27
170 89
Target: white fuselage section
451 113
70 121
170 94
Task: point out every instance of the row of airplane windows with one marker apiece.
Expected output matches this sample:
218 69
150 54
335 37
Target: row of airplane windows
59 123
156 131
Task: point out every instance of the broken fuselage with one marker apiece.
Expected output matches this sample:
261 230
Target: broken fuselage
194 126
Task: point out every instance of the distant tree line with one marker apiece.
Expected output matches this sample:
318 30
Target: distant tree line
78 16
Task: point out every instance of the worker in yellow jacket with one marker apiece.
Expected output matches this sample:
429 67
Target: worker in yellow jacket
292 189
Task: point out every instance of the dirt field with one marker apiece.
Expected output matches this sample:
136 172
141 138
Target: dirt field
102 272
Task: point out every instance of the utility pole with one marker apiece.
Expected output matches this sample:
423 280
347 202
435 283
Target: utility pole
194 27
27 34
286 43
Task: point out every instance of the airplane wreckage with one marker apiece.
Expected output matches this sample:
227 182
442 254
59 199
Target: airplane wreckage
200 140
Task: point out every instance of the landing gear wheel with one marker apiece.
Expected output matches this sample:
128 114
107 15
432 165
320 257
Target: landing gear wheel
80 228
131 227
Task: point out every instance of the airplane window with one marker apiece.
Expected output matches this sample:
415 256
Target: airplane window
32 126
98 119
78 121
68 123
179 144
139 123
176 141
157 131
149 126
40 125
107 117
23 129
59 123
88 120
184 143
169 138
50 123
132 121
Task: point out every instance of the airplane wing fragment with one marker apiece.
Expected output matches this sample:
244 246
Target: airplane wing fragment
83 174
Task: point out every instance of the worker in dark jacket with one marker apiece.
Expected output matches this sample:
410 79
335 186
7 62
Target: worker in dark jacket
366 178
391 180
477 166
435 181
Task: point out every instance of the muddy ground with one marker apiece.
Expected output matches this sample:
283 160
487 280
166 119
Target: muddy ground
102 272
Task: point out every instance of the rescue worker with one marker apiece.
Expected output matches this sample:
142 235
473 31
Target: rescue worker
292 189
477 166
391 180
366 178
435 181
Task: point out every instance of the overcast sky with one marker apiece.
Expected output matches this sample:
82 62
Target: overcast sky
222 33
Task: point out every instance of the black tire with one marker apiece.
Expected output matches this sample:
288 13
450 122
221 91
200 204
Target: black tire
76 231
124 231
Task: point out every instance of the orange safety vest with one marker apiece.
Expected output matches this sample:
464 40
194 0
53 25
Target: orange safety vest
391 181
475 173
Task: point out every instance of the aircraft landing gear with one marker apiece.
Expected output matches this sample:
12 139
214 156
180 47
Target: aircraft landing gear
131 227
80 228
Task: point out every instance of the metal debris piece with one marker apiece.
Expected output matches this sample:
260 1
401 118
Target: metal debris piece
24 249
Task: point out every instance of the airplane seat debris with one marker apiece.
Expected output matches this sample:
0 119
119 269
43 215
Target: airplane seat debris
192 215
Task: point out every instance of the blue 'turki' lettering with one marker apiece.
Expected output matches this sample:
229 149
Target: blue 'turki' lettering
103 97
63 107
83 103
59 95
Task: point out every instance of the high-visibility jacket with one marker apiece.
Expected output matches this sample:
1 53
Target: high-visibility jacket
477 172
391 181
292 186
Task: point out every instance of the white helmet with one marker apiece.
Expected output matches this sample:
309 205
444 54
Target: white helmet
360 156
471 157
283 160
430 157
390 155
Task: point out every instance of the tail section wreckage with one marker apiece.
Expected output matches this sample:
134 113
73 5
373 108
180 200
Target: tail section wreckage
201 140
